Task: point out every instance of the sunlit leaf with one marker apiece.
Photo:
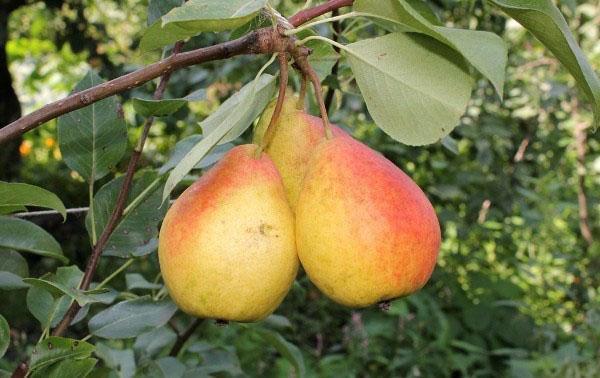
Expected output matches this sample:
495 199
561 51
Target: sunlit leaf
197 16
484 50
543 19
415 87
227 123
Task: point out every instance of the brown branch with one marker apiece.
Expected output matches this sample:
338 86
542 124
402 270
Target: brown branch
283 81
310 13
184 337
120 204
580 144
337 30
260 41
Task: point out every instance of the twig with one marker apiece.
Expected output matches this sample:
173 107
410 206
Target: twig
120 204
584 222
33 214
522 148
283 81
260 41
182 338
337 30
310 13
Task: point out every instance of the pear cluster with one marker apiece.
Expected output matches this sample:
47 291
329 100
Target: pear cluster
364 232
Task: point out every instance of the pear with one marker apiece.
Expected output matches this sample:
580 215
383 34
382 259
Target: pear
365 232
296 135
226 247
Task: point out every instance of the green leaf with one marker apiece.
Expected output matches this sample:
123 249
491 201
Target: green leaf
166 367
93 139
484 50
136 234
250 101
287 350
277 322
57 290
25 236
131 318
158 8
226 124
4 336
9 209
13 262
54 349
46 302
10 281
216 360
151 343
414 86
123 361
67 368
45 308
197 16
543 19
185 145
19 194
165 107
157 108
137 281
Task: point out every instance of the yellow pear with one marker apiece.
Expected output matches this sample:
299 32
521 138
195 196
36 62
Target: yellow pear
365 232
226 246
296 135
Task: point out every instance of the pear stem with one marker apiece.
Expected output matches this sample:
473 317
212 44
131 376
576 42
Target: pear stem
302 95
319 95
283 82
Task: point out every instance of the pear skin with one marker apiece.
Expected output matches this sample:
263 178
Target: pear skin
226 247
365 232
296 135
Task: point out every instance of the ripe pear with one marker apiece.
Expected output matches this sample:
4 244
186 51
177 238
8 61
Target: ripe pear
296 135
226 248
365 232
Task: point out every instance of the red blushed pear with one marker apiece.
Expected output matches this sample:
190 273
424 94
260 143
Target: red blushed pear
227 248
365 232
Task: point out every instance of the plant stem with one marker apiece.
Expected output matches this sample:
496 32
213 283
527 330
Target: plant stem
142 196
283 81
323 21
120 203
182 338
260 41
115 273
302 95
91 210
319 94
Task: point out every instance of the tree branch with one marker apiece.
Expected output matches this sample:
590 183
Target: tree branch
310 13
120 204
260 41
580 145
182 338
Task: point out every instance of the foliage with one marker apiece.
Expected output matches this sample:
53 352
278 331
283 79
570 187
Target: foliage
516 289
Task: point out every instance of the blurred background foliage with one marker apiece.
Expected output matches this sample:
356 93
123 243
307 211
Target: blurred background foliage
517 287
